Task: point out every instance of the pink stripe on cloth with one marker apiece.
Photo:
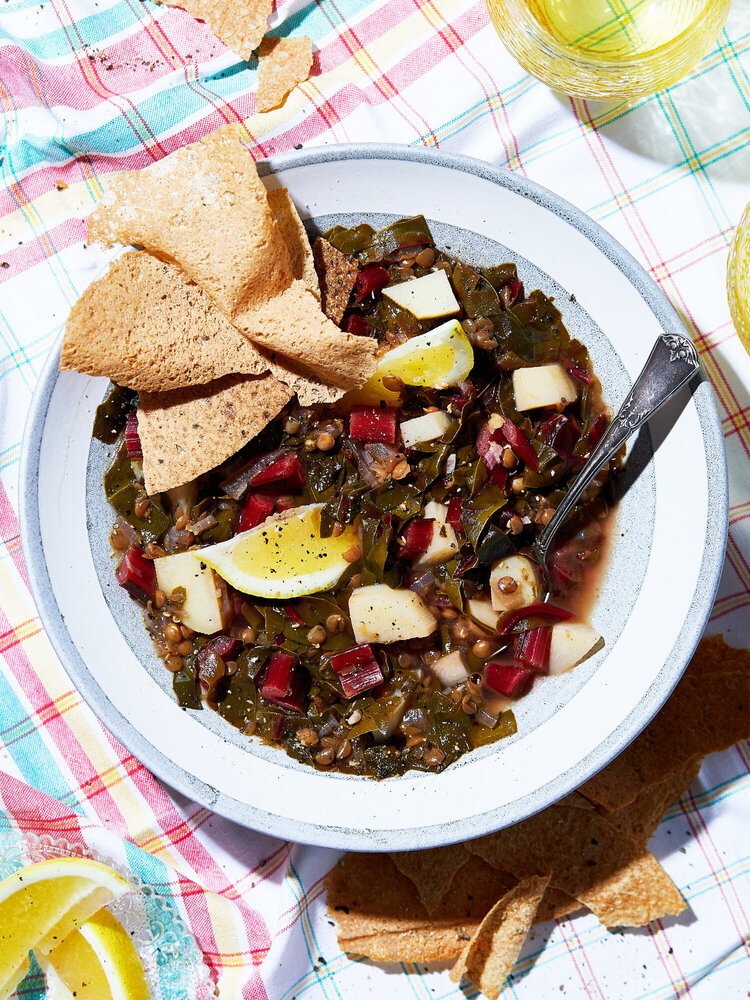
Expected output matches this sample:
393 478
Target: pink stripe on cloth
34 812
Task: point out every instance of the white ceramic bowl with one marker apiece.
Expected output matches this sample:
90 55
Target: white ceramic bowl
653 603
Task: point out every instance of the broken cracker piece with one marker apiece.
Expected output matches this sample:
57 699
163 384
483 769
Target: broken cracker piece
380 916
294 326
489 957
699 718
295 236
283 63
590 860
431 871
187 432
338 276
239 25
205 208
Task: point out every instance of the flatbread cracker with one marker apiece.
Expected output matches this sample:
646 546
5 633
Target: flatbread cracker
240 25
556 905
590 860
145 325
338 276
702 716
205 208
293 325
489 957
295 236
283 63
641 817
380 916
187 432
432 871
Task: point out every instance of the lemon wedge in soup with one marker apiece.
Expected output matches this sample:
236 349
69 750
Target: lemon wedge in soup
285 556
438 359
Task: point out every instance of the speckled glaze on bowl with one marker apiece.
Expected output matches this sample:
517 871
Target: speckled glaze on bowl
654 599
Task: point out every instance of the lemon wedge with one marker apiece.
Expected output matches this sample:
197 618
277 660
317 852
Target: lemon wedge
43 903
438 359
285 556
738 280
96 962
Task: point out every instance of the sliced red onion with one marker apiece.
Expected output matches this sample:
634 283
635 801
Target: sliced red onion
423 584
177 541
206 522
483 718
126 530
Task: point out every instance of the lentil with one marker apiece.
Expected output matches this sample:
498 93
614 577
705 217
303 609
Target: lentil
482 648
248 636
185 647
173 663
317 635
172 633
393 383
291 425
425 258
509 459
516 525
325 441
353 554
160 599
401 470
344 750
182 522
142 506
230 668
507 585
325 757
335 623
308 737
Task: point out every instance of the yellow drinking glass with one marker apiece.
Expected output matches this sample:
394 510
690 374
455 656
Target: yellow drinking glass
738 280
608 49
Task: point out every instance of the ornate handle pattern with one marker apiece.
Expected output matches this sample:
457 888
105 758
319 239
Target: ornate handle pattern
673 362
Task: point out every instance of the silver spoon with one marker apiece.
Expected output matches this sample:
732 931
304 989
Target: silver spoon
673 362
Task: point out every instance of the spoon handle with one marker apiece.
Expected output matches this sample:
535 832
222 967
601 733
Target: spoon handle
672 363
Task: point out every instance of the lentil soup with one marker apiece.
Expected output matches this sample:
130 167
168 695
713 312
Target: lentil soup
424 490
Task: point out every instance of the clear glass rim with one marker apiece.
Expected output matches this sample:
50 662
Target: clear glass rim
713 10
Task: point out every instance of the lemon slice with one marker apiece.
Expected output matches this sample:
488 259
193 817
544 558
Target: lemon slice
43 903
738 280
96 962
438 359
285 556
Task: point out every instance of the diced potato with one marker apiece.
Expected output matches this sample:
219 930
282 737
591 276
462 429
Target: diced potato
524 574
450 669
572 642
380 613
425 428
202 610
480 609
427 297
546 385
444 544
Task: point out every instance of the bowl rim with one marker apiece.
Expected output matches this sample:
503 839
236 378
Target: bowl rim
353 838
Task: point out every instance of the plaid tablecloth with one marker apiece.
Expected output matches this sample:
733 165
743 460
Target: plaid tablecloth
90 86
